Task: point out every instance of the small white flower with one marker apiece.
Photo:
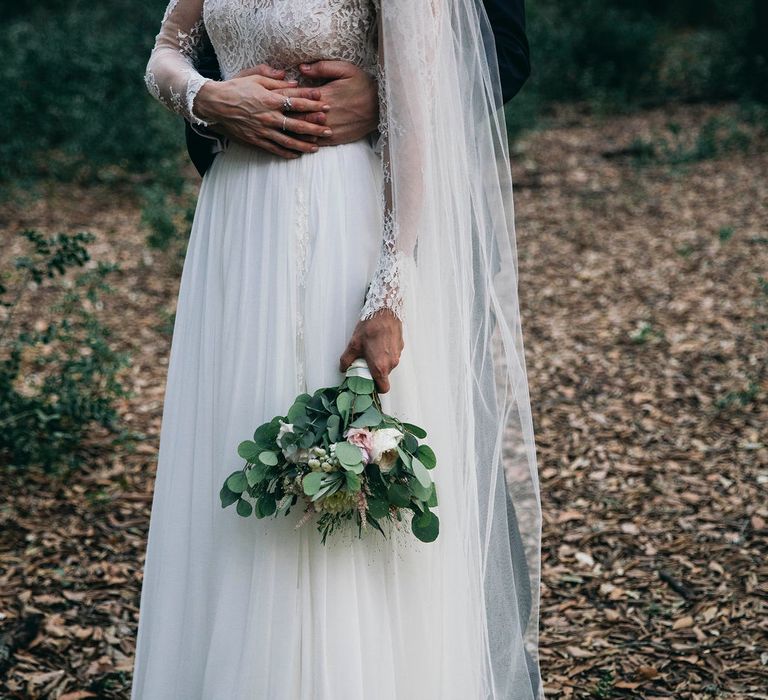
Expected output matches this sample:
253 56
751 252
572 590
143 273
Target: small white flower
384 449
284 428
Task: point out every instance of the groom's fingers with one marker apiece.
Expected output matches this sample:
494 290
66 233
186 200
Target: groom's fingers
262 69
329 70
306 93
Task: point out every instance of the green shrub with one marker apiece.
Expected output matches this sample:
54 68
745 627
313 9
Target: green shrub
75 100
58 378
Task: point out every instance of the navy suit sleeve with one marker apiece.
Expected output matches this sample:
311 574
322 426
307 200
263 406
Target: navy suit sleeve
507 18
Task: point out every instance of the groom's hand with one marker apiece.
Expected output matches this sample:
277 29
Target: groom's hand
353 96
247 108
378 340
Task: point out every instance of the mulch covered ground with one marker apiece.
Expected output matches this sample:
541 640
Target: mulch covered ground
643 249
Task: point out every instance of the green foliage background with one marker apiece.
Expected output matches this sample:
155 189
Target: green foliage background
77 107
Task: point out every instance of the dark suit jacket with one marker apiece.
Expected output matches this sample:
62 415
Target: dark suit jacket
507 18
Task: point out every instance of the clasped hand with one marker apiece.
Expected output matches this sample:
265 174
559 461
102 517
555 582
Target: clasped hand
249 107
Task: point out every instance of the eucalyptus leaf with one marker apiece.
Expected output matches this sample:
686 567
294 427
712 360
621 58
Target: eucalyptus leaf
410 443
348 454
353 482
236 482
227 496
378 508
334 425
358 468
266 505
268 458
432 500
297 411
369 419
344 402
266 434
311 483
426 526
426 456
360 385
421 473
255 475
362 403
404 456
421 492
415 430
244 507
248 450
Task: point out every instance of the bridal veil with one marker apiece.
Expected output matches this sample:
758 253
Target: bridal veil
450 252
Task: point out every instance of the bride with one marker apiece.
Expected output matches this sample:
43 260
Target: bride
399 250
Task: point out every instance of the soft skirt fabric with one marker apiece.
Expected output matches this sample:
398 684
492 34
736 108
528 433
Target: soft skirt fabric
277 265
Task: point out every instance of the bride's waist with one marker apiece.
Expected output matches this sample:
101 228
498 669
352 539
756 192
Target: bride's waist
365 147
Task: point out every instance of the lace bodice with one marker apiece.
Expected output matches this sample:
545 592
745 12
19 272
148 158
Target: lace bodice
285 33
282 34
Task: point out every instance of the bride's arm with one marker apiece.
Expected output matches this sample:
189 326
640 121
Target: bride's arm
403 112
248 108
171 74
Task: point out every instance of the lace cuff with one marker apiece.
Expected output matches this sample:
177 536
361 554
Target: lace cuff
386 288
196 81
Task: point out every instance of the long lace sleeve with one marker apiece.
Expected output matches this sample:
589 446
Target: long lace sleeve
402 122
171 74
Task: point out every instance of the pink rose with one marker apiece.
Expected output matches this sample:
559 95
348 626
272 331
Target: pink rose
362 438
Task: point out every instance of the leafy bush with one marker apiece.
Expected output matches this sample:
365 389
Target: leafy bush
76 102
57 378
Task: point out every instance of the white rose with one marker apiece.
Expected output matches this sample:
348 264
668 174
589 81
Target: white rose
384 449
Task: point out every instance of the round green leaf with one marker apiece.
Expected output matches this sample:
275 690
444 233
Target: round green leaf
378 508
227 496
237 482
362 403
360 385
426 526
426 456
311 483
244 507
353 482
334 425
255 474
343 402
421 473
248 450
371 418
266 505
269 458
432 501
348 454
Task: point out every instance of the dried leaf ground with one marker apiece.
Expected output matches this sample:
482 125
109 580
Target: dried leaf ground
642 304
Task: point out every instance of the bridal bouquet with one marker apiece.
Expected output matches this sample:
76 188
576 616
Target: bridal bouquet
342 458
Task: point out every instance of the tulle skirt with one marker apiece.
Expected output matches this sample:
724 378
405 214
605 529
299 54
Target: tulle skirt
235 608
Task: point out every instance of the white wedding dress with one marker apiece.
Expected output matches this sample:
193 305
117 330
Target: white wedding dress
280 256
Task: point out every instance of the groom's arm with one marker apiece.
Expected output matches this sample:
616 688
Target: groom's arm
507 18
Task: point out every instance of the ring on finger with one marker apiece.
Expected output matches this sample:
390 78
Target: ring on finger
287 105
285 121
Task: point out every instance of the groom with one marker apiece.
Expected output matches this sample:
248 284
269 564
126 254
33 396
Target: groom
351 92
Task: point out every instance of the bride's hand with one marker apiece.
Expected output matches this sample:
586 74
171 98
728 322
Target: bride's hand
248 108
379 340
